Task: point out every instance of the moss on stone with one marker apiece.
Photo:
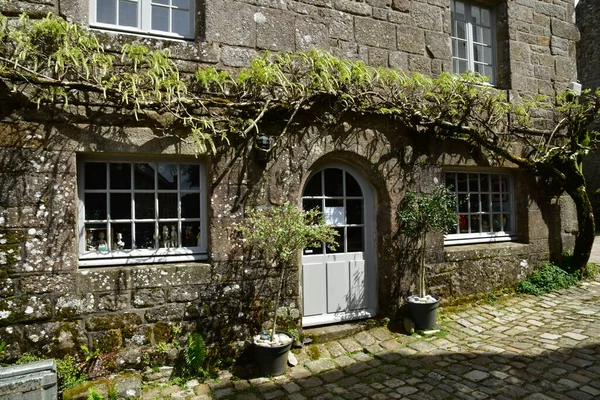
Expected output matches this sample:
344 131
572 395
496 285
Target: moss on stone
109 340
313 352
9 253
162 332
113 321
81 391
12 236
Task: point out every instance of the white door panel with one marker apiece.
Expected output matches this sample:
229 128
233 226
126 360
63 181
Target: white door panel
315 294
338 279
357 285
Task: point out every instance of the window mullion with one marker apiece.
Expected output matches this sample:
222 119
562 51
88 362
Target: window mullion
470 27
145 12
156 211
133 216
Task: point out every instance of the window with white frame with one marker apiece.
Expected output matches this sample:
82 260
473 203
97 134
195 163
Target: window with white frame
473 39
141 212
159 17
485 207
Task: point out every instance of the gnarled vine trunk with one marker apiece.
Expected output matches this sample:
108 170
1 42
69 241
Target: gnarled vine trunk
586 225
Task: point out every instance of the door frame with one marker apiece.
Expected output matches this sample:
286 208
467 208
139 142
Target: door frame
369 253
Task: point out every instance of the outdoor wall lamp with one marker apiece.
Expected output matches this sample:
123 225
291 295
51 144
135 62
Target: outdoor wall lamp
263 148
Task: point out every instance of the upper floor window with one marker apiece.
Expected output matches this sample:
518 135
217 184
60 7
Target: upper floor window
159 17
485 207
473 41
141 211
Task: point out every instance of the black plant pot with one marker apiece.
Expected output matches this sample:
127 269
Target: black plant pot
273 360
423 315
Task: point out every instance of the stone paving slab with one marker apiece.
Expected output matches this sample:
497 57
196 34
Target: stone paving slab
523 347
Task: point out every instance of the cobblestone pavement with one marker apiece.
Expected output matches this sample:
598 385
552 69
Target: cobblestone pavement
522 347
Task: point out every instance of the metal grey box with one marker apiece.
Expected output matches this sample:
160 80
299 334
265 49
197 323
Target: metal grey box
33 381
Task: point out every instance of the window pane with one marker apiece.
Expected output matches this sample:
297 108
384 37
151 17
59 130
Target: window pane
313 187
479 68
338 247
167 176
120 206
95 175
462 183
487 55
495 183
95 234
144 176
475 15
499 222
167 205
144 235
165 2
486 36
309 204
478 52
485 202
190 205
354 212
182 4
461 30
191 234
144 206
461 49
506 220
477 34
106 11
95 206
355 239
459 11
352 186
485 182
473 183
128 13
190 177
463 224
463 204
475 224
450 181
334 182
474 202
160 18
120 176
169 237
181 22
489 72
485 18
121 239
485 223
461 67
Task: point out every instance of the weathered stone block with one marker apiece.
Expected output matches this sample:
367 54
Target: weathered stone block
310 34
378 57
81 391
419 64
170 275
32 284
148 298
274 30
10 254
398 60
72 305
230 23
107 341
167 312
401 5
128 386
439 45
411 40
341 25
24 309
375 33
137 335
183 294
103 279
113 301
237 57
352 7
12 236
427 17
565 68
113 321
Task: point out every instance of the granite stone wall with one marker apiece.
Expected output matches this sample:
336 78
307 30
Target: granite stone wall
49 303
588 59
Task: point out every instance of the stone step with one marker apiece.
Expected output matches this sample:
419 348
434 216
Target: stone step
328 333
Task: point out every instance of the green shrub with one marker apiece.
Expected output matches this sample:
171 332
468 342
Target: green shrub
546 279
195 354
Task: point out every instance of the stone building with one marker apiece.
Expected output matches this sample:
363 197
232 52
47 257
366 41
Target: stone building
588 57
112 232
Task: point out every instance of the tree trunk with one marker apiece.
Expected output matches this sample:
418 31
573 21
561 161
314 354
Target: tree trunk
586 226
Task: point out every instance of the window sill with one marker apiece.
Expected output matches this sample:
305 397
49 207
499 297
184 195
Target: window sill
140 260
142 34
484 250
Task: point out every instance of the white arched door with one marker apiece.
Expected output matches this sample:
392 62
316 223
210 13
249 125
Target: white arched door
339 284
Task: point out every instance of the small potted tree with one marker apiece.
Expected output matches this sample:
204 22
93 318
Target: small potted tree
417 215
278 234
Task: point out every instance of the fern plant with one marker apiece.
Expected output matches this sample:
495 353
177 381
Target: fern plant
195 354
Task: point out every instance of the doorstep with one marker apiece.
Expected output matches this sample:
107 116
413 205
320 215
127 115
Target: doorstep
328 333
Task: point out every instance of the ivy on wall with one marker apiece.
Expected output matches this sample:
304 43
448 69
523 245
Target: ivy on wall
53 61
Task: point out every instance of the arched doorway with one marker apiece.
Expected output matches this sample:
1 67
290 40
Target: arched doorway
339 284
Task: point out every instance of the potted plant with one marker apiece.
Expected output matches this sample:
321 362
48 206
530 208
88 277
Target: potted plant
278 234
417 215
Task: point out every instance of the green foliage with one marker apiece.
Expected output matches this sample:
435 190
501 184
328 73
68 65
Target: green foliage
2 346
27 358
70 372
279 233
420 213
546 279
94 395
195 353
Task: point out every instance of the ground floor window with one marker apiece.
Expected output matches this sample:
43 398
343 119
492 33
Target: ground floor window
485 207
136 212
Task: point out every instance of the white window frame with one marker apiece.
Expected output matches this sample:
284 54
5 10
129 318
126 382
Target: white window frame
470 25
139 256
144 20
491 235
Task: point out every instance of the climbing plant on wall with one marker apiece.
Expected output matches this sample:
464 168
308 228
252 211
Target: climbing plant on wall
53 61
